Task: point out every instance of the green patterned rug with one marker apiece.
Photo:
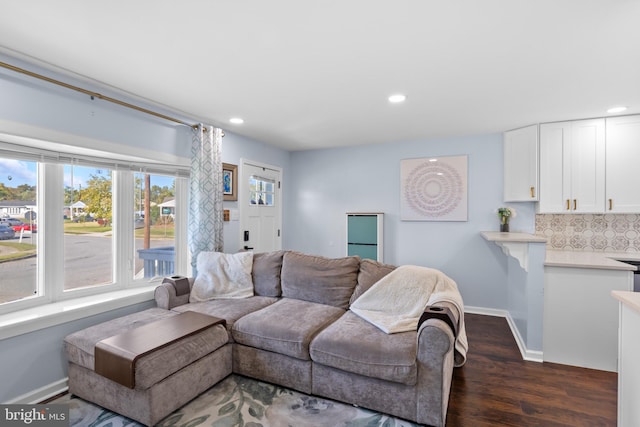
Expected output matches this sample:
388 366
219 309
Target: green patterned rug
238 401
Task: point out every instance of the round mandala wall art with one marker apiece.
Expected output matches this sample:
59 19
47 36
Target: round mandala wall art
434 189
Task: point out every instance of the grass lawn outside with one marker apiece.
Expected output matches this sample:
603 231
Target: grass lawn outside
17 250
159 231
85 227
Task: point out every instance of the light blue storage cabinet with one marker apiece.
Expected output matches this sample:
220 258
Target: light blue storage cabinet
364 235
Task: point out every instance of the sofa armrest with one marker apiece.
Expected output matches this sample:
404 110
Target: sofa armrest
436 348
165 296
442 311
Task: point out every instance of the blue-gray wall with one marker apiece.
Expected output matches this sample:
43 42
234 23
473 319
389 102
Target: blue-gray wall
325 184
39 104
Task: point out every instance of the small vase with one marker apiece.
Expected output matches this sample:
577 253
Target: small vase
504 228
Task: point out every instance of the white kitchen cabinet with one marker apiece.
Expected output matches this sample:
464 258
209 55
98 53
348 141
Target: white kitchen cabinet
572 167
623 152
521 164
580 322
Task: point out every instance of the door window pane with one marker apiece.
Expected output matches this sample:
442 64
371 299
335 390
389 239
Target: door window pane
261 191
18 228
88 214
154 215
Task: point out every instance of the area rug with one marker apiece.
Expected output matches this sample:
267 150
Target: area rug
242 402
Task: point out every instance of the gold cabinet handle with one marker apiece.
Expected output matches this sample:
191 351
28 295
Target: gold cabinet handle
568 204
610 204
532 190
575 204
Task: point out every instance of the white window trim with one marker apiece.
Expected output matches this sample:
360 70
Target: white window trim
48 315
57 306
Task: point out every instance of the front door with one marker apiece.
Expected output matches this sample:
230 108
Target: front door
260 205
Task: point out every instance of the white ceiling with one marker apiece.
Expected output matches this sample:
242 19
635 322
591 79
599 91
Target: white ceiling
317 74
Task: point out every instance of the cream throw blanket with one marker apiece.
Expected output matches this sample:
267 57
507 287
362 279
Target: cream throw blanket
396 302
222 275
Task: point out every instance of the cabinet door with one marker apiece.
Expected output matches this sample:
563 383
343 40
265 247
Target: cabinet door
521 164
555 172
623 171
364 235
572 166
587 166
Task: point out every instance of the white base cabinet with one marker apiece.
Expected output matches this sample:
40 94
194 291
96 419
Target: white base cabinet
629 373
580 321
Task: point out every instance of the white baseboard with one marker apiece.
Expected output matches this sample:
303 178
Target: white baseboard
43 393
486 311
530 355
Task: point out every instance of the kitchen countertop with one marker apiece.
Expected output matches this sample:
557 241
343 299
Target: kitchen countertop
630 299
571 259
598 260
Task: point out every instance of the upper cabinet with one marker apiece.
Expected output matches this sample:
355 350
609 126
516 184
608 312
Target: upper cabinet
623 176
572 167
521 164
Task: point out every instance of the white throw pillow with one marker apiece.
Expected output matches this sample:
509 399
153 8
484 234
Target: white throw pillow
222 275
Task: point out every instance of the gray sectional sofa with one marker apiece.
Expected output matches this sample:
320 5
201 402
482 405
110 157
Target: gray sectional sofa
297 331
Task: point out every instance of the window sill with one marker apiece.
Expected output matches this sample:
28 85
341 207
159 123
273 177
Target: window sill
47 315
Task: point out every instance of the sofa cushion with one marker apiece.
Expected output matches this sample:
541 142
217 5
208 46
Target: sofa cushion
319 279
267 267
228 309
354 345
286 327
155 366
370 272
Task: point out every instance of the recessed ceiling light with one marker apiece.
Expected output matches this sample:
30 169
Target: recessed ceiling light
394 99
236 120
616 110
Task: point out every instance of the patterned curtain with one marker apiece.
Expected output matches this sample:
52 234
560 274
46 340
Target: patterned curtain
205 192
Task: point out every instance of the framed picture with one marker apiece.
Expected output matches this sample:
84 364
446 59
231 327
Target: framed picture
230 181
433 189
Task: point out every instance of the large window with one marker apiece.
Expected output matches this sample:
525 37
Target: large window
77 227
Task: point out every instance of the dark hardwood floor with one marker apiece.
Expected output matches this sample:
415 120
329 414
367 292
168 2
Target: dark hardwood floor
497 388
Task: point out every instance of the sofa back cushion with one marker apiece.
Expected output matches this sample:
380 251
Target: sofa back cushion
266 272
370 272
318 279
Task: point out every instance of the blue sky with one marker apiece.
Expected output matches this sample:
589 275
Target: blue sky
17 172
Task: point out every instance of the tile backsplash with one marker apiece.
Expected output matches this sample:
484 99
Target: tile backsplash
590 232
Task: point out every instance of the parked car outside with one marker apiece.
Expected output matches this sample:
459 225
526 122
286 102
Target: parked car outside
10 221
26 227
6 232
